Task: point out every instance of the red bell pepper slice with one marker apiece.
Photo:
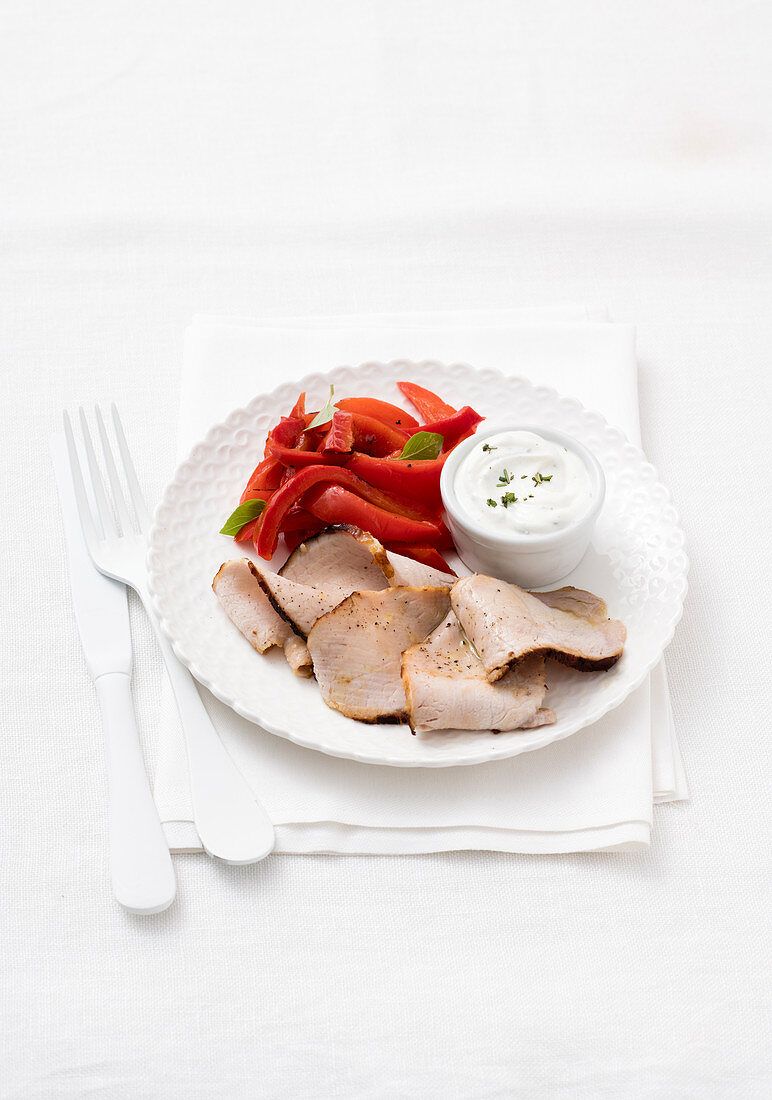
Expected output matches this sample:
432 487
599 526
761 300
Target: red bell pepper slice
291 492
417 478
429 405
297 519
293 539
427 555
334 504
247 532
291 444
267 475
299 408
454 428
308 440
288 456
257 494
287 431
373 437
340 436
392 415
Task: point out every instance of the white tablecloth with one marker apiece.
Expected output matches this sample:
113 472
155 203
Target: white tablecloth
160 161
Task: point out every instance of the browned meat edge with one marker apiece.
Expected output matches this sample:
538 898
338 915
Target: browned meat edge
279 610
217 574
384 719
582 664
379 554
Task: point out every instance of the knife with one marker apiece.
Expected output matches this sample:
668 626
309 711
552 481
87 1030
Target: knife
140 862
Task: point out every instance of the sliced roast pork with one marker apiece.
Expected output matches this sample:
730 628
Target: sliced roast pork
299 605
446 687
249 609
506 624
322 571
357 648
407 571
576 601
340 557
298 657
347 557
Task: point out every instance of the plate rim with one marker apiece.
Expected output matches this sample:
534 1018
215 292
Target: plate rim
487 753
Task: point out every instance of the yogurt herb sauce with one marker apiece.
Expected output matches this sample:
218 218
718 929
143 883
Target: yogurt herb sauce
519 483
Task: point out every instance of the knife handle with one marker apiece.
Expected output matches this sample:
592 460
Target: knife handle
232 825
140 863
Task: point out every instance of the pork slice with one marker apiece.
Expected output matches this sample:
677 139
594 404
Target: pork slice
576 601
446 687
415 573
298 657
249 609
544 716
343 557
357 648
299 605
507 624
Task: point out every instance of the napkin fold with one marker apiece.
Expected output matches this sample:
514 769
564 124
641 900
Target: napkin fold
591 791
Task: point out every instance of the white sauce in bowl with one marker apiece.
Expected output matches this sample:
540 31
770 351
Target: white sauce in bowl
519 483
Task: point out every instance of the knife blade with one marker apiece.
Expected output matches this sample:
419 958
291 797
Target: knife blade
100 603
140 862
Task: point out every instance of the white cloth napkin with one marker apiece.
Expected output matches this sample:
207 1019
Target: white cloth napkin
592 791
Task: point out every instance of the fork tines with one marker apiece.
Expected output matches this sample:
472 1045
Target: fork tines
113 518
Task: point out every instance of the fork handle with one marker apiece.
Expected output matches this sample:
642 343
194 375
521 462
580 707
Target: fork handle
231 823
140 863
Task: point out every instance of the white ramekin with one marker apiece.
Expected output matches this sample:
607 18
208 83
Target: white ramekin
531 561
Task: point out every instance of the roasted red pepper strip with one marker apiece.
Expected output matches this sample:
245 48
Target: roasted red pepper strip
265 476
373 437
291 444
247 532
340 436
419 478
392 415
334 504
293 539
287 431
308 440
257 494
429 405
296 519
427 555
453 428
299 408
291 492
288 456
285 434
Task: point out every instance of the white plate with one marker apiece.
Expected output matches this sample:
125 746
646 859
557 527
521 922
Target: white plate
636 563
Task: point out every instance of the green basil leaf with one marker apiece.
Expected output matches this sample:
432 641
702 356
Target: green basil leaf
423 445
245 512
325 415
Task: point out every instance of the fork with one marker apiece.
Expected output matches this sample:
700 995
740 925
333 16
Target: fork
231 823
